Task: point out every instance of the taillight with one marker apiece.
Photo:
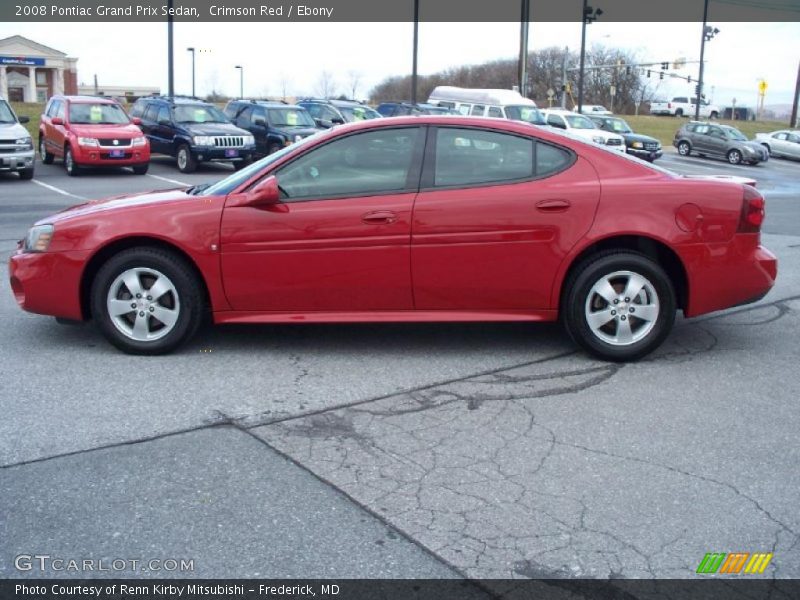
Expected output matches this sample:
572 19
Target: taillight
752 210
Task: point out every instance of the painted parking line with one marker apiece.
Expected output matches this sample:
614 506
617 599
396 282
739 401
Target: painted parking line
168 180
53 188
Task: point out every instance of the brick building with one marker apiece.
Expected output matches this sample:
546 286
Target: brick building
32 72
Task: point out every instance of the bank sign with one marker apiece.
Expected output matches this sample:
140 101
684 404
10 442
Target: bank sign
21 60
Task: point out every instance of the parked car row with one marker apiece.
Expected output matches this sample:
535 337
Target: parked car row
16 145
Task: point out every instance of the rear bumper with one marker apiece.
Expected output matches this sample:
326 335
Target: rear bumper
722 276
48 283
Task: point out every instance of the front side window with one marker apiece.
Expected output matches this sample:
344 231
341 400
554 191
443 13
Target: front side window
474 157
137 109
495 111
368 163
163 115
735 134
477 110
6 116
580 122
793 138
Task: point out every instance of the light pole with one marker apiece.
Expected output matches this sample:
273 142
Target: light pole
170 64
708 34
414 54
241 81
525 17
192 51
589 16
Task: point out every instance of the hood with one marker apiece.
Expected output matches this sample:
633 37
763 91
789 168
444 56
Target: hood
638 137
119 202
12 130
123 131
213 129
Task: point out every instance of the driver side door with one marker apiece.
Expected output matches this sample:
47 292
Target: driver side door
339 239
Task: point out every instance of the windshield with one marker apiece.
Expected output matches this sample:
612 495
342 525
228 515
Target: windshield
579 122
618 126
735 134
290 117
6 116
87 113
358 113
199 113
230 183
530 114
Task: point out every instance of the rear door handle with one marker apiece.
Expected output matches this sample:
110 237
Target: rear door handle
379 216
553 205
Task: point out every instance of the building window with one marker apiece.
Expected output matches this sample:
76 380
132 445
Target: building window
41 77
41 95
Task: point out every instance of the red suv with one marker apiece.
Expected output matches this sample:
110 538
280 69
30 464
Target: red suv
88 131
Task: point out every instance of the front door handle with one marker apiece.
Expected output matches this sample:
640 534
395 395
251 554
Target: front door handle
378 217
553 205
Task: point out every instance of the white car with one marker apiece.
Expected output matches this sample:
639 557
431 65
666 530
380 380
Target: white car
784 143
584 128
595 109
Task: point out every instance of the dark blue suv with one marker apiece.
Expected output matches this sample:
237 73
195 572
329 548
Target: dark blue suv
273 124
193 131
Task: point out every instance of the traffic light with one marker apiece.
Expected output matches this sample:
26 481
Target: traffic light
697 90
664 66
648 72
627 70
688 80
661 75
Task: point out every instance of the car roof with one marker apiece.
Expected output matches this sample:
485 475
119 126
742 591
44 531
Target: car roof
93 99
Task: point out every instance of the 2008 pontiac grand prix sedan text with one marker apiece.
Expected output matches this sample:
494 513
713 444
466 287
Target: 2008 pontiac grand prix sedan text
408 219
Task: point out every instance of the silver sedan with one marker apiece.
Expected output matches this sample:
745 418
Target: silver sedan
784 143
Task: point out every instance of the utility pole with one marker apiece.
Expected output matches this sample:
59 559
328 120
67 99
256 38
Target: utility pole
564 82
170 64
589 16
523 47
414 57
794 122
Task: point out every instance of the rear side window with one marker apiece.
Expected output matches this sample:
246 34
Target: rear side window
680 100
495 111
474 157
551 159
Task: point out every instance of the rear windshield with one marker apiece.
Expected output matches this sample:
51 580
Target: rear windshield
89 113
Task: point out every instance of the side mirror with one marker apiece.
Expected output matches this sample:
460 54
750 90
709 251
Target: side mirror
24 119
259 121
337 121
136 121
265 193
57 121
164 122
324 123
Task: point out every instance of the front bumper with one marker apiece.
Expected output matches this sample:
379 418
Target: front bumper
645 154
110 156
18 161
48 283
213 153
726 275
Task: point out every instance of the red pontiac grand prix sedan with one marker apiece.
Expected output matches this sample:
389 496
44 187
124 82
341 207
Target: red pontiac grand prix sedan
408 219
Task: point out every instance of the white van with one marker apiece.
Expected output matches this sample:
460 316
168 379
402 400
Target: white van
503 104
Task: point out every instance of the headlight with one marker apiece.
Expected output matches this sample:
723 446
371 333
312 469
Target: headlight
637 145
598 139
38 238
749 150
249 140
297 138
88 141
203 140
139 141
26 143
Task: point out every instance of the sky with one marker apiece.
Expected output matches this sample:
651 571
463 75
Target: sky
294 55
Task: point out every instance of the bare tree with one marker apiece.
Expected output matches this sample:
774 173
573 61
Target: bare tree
326 86
284 84
355 79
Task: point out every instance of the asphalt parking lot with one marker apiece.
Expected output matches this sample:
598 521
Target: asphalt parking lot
480 451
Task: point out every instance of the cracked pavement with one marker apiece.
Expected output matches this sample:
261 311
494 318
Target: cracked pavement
479 451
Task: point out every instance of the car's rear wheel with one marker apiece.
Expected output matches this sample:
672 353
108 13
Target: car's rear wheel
70 165
47 157
147 301
679 112
734 157
684 148
186 162
619 305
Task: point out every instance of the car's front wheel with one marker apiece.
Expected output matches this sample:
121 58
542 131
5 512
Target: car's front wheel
734 157
147 301
619 305
186 161
684 148
47 157
141 169
70 165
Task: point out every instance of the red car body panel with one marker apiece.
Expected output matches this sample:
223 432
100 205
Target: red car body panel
58 137
491 252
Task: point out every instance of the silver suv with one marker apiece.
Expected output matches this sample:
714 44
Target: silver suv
16 145
713 139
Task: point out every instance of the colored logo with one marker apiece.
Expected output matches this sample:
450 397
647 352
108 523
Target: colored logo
735 562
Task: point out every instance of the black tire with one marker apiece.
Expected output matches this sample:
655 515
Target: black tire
241 164
684 148
734 156
26 174
187 163
187 299
47 157
679 112
579 300
141 169
70 165
273 148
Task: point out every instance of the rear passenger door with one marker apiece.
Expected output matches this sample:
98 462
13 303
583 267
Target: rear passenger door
496 214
